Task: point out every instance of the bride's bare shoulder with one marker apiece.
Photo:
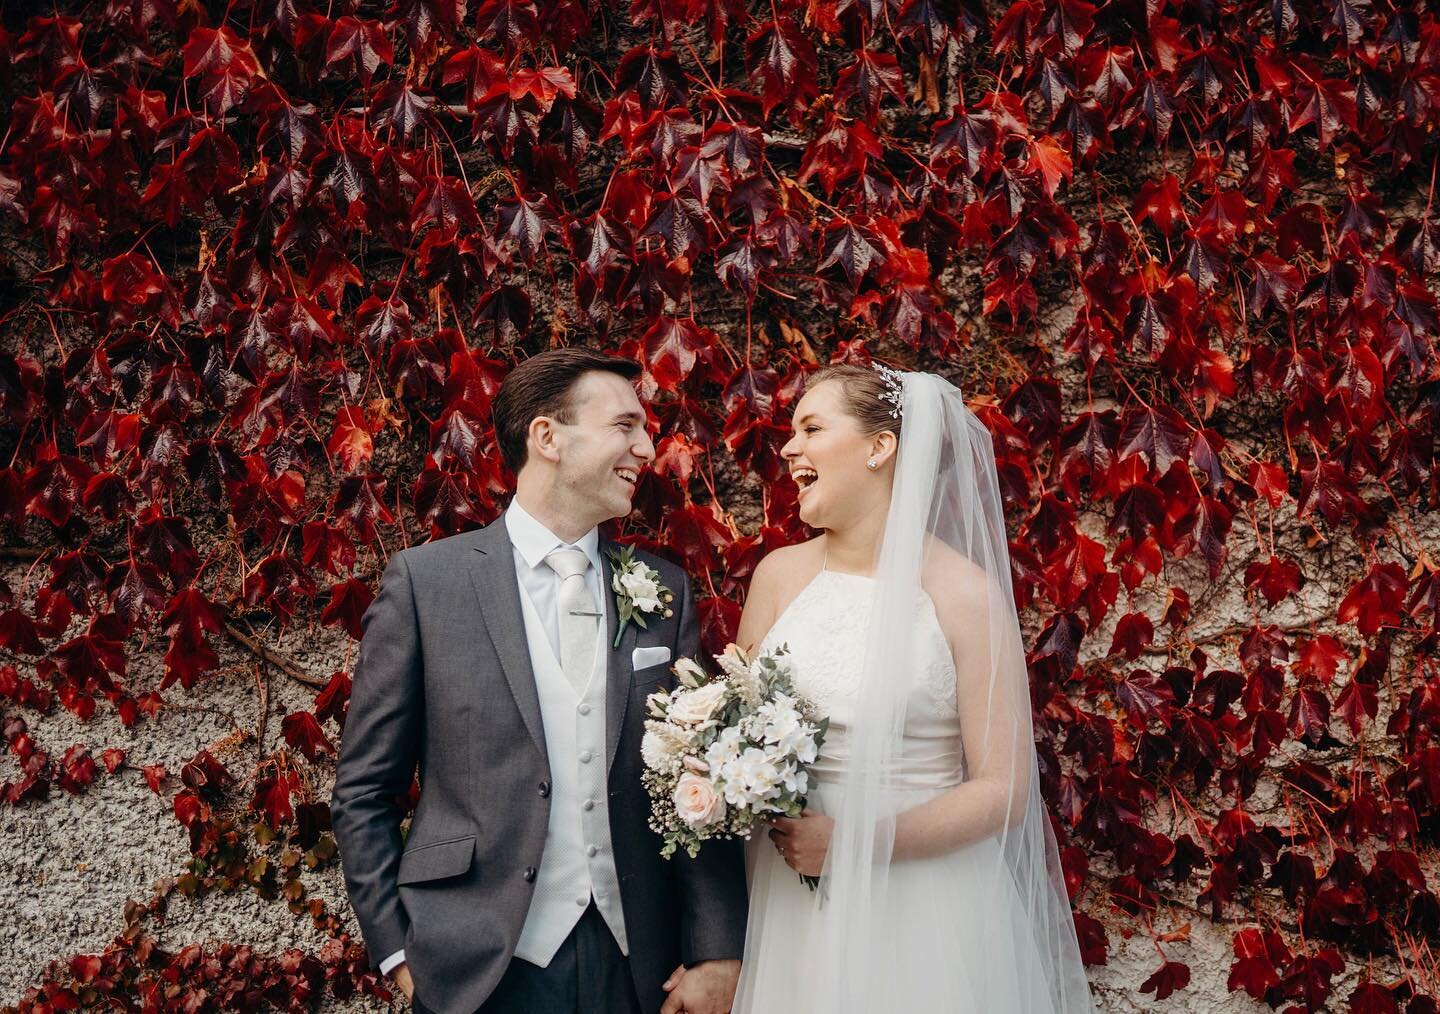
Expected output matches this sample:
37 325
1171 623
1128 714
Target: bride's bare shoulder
787 567
957 585
778 578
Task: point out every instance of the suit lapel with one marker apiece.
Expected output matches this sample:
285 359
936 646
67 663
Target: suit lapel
492 574
619 672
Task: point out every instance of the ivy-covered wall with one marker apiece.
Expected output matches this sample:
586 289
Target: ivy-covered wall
263 266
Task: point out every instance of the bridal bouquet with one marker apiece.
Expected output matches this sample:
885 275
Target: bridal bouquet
723 753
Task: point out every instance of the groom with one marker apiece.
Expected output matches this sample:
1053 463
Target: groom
530 880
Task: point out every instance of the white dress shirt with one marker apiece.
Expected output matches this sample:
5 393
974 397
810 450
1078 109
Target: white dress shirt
532 542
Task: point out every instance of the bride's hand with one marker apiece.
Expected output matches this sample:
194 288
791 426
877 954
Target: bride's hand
803 843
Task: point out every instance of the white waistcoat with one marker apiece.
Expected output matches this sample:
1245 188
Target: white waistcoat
578 863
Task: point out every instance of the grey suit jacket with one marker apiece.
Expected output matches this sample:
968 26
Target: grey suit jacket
444 682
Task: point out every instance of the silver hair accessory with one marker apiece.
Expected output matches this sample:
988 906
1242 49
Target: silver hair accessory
894 387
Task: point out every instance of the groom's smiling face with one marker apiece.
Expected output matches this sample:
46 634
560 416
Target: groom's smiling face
602 449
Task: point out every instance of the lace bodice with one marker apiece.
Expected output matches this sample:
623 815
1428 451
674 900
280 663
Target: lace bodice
825 629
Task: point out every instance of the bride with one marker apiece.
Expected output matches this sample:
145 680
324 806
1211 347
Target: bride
941 888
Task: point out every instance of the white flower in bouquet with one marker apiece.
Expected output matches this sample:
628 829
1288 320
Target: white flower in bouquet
725 749
778 719
783 726
690 673
733 661
751 778
698 706
802 746
696 801
658 703
744 677
664 747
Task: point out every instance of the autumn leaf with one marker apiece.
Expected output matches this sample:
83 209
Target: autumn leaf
1375 600
303 733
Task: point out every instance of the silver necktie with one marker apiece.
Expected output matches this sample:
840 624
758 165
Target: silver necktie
579 619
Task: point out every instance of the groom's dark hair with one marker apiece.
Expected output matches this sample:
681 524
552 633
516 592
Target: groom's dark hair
542 385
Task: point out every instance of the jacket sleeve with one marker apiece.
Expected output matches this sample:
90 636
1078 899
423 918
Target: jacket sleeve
712 885
378 754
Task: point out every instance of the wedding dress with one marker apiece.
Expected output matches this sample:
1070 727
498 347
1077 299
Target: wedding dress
949 932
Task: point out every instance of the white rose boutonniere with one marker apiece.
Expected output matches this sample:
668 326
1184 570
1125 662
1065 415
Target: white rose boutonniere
638 591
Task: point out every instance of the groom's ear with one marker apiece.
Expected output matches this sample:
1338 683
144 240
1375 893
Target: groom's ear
542 439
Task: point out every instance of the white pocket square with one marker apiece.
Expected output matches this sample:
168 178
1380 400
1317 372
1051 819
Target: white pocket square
643 658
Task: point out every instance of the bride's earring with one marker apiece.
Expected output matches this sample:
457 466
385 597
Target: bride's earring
872 464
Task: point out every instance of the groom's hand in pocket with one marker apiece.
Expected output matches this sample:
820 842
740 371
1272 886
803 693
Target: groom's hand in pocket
706 988
401 975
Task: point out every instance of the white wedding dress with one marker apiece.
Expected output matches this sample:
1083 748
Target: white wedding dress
951 932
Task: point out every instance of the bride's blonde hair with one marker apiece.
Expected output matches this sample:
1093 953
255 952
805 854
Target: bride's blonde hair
864 391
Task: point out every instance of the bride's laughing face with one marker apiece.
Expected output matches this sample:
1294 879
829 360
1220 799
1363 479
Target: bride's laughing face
827 457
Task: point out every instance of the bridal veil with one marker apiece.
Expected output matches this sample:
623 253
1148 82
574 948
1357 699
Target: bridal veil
945 533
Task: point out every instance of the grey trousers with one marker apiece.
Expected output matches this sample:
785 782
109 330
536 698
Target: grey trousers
588 975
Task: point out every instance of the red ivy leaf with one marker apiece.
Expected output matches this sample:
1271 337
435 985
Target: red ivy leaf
332 701
1276 579
273 792
1168 978
348 601
1320 656
350 440
303 733
1375 600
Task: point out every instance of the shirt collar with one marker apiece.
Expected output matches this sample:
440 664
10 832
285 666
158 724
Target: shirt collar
535 542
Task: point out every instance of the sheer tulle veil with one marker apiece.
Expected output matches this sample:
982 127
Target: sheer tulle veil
945 533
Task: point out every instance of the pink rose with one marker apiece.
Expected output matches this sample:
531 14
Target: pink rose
697 802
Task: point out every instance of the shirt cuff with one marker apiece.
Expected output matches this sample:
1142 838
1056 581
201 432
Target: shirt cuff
392 962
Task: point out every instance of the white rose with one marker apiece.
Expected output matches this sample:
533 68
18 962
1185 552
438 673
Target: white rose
642 589
698 706
696 801
689 672
657 702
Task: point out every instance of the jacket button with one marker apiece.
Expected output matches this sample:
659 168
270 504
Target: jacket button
529 874
544 790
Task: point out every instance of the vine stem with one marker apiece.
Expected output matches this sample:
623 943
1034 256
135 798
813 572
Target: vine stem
269 655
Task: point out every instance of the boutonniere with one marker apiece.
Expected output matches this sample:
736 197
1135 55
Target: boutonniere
638 591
